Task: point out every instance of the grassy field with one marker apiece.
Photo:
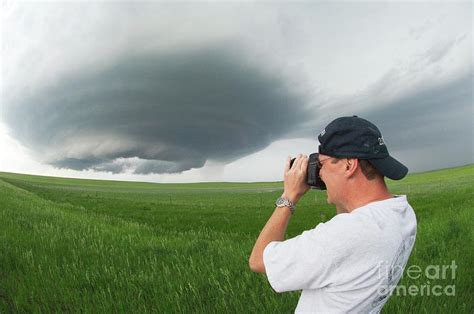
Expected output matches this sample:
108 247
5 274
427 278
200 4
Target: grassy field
73 245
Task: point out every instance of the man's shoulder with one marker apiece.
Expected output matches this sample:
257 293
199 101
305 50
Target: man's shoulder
343 226
355 228
345 220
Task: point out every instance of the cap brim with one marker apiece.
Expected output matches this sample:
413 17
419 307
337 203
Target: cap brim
390 167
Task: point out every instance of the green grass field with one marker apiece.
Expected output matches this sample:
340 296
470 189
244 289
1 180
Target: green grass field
70 245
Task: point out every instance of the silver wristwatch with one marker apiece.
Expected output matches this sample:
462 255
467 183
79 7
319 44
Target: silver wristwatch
284 202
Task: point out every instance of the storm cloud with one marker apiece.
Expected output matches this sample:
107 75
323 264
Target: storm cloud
139 88
172 111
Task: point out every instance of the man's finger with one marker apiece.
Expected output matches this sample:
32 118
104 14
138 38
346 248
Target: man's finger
287 164
304 163
298 161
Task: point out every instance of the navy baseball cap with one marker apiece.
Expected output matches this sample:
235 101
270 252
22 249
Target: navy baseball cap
354 137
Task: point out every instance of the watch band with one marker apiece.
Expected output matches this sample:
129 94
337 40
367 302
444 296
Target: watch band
284 202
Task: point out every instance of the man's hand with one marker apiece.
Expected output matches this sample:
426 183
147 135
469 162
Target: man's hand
295 185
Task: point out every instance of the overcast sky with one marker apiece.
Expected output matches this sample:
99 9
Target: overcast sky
224 92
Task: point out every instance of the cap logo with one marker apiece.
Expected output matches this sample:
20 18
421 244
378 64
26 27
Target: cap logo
322 132
381 141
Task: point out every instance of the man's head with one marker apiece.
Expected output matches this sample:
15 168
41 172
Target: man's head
354 137
353 156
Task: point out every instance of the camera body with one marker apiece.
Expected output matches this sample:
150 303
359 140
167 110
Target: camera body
313 179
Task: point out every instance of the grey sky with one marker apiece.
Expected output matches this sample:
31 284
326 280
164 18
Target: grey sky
134 89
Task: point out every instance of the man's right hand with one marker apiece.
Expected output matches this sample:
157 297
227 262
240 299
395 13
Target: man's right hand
295 177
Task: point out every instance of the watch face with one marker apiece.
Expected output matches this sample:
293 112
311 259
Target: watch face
283 202
280 201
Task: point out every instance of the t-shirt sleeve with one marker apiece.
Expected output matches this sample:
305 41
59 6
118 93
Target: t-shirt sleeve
307 261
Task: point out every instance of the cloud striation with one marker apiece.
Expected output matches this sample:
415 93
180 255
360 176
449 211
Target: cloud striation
157 113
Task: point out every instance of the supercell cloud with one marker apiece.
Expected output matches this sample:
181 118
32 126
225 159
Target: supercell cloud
157 113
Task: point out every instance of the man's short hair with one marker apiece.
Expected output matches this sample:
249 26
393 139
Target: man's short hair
369 171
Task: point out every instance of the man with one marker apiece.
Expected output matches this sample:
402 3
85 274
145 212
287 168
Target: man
353 262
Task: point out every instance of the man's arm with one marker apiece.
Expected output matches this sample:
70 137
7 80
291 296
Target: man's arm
294 188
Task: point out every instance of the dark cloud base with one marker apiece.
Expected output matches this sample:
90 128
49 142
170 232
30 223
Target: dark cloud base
174 111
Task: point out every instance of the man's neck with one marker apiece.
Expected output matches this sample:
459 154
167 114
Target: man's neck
365 195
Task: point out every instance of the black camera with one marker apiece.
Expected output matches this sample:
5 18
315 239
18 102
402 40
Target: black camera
313 178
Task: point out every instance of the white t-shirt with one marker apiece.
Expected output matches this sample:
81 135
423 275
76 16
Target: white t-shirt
351 263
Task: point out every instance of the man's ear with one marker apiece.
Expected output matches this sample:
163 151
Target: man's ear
351 166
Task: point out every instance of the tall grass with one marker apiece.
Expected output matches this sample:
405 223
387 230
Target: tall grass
73 245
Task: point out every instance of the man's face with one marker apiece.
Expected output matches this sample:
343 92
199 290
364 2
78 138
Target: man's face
331 173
